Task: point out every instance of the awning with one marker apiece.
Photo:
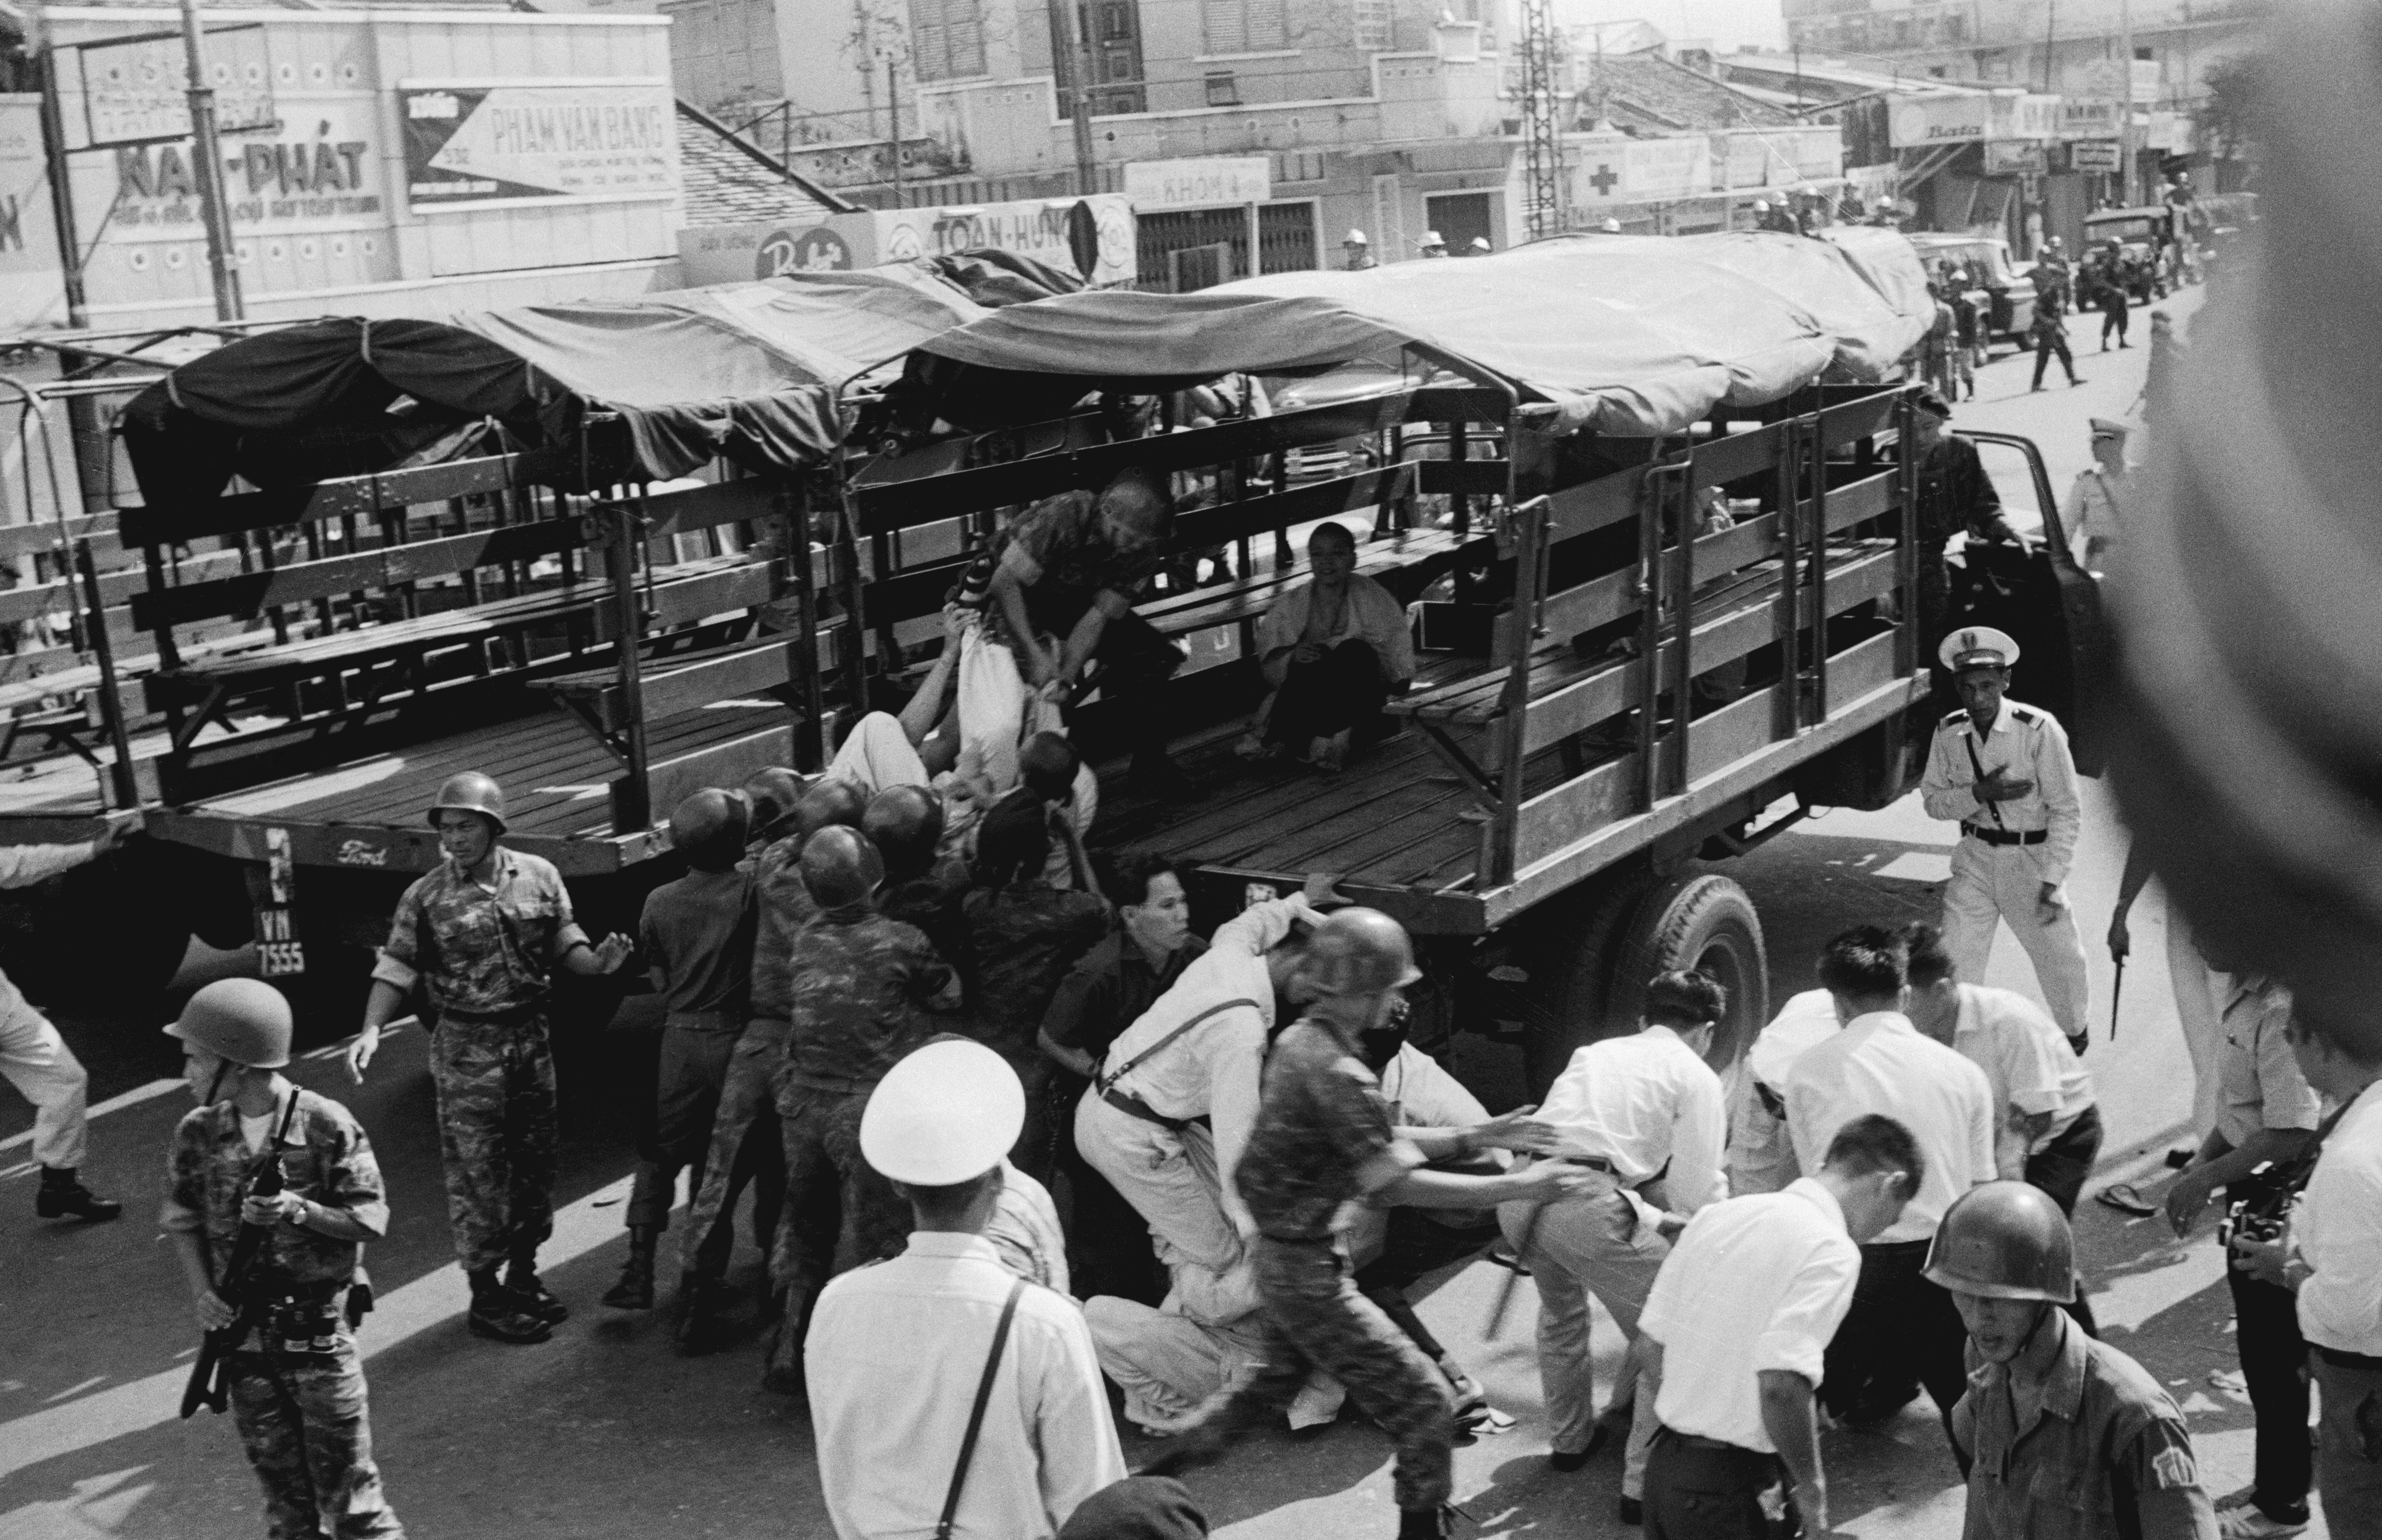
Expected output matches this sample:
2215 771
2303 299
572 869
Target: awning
1631 336
751 371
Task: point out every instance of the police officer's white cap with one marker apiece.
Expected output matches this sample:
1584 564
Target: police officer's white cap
946 1114
1430 238
1978 647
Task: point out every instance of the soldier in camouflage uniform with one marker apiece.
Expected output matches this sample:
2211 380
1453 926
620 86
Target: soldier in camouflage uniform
746 1146
862 986
1323 1138
483 933
298 1392
922 888
1024 935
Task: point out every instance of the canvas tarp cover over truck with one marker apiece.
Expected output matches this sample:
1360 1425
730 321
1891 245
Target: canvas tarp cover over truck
749 370
1630 336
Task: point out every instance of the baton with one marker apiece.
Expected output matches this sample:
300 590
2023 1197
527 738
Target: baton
2116 989
1506 1286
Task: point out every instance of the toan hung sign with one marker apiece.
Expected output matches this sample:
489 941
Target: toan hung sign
1091 238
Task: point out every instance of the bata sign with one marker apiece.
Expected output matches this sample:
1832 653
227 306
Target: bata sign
1087 237
482 143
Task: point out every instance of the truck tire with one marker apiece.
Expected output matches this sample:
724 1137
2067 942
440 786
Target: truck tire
1702 921
1570 962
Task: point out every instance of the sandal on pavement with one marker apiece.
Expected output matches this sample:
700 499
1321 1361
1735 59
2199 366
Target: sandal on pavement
2122 1197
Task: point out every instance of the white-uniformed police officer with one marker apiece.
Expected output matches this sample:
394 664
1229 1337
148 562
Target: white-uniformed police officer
2004 772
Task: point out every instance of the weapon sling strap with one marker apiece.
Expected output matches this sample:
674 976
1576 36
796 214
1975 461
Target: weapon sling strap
1968 742
976 1412
1104 1083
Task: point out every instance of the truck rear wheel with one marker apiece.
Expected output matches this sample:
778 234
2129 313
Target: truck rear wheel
1570 963
1705 922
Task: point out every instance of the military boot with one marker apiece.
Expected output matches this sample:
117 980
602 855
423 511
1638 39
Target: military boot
496 1313
699 1328
60 1196
635 1289
530 1294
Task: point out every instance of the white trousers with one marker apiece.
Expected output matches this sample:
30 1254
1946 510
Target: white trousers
877 756
2200 993
1169 1176
1577 1247
1995 883
38 1063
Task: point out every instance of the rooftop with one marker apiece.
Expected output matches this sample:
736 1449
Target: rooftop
1647 93
729 181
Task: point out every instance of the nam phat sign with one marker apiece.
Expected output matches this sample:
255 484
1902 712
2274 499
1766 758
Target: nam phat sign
1090 237
488 144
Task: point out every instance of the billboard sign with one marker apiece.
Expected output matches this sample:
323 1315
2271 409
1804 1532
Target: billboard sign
2088 117
1087 237
2095 154
1206 182
32 290
136 89
1947 119
493 143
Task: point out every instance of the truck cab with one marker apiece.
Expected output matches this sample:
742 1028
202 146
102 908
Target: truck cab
2004 296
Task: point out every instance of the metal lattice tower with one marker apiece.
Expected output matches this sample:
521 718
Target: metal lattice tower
1542 182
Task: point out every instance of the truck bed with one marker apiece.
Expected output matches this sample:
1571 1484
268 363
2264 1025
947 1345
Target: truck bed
368 813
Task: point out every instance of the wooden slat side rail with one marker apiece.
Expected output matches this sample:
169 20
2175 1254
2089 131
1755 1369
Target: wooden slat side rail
1603 600
250 594
1202 527
1741 455
35 600
1594 505
1565 815
885 506
683 601
698 508
1869 497
1840 426
672 781
161 524
1465 478
26 539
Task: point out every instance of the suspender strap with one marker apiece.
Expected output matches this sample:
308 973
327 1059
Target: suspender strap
1968 742
976 1412
1104 1081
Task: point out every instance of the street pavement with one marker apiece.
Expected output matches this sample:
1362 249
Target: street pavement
606 1431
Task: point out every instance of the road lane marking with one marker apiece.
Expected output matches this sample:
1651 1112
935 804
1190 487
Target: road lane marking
397 1316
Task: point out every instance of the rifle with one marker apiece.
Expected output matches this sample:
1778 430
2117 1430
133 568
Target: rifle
210 1383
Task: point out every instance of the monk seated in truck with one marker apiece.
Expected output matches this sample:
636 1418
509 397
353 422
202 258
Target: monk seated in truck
1334 649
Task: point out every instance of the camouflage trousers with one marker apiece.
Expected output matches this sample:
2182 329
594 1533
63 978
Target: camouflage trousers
497 1136
1314 1318
308 1434
824 1171
690 1071
745 1150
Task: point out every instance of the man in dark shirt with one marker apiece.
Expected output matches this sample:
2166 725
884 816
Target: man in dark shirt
1105 992
696 939
1024 935
860 986
1955 497
1069 568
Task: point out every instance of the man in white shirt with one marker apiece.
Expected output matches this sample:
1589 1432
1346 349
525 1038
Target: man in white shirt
1648 1110
2266 1116
1901 1326
1760 1152
2332 1258
1736 1331
2048 1129
1166 1120
2004 772
898 1352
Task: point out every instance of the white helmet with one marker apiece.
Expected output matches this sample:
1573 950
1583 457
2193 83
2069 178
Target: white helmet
1611 227
1431 237
1356 238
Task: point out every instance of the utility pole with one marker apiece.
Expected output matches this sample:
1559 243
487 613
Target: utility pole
1542 182
206 155
2050 36
2126 106
54 151
1067 26
893 120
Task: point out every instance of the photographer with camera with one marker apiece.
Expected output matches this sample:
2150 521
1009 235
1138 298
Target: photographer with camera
2266 1117
2330 1255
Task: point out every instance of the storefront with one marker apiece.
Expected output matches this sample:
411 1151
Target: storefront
367 166
1090 237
